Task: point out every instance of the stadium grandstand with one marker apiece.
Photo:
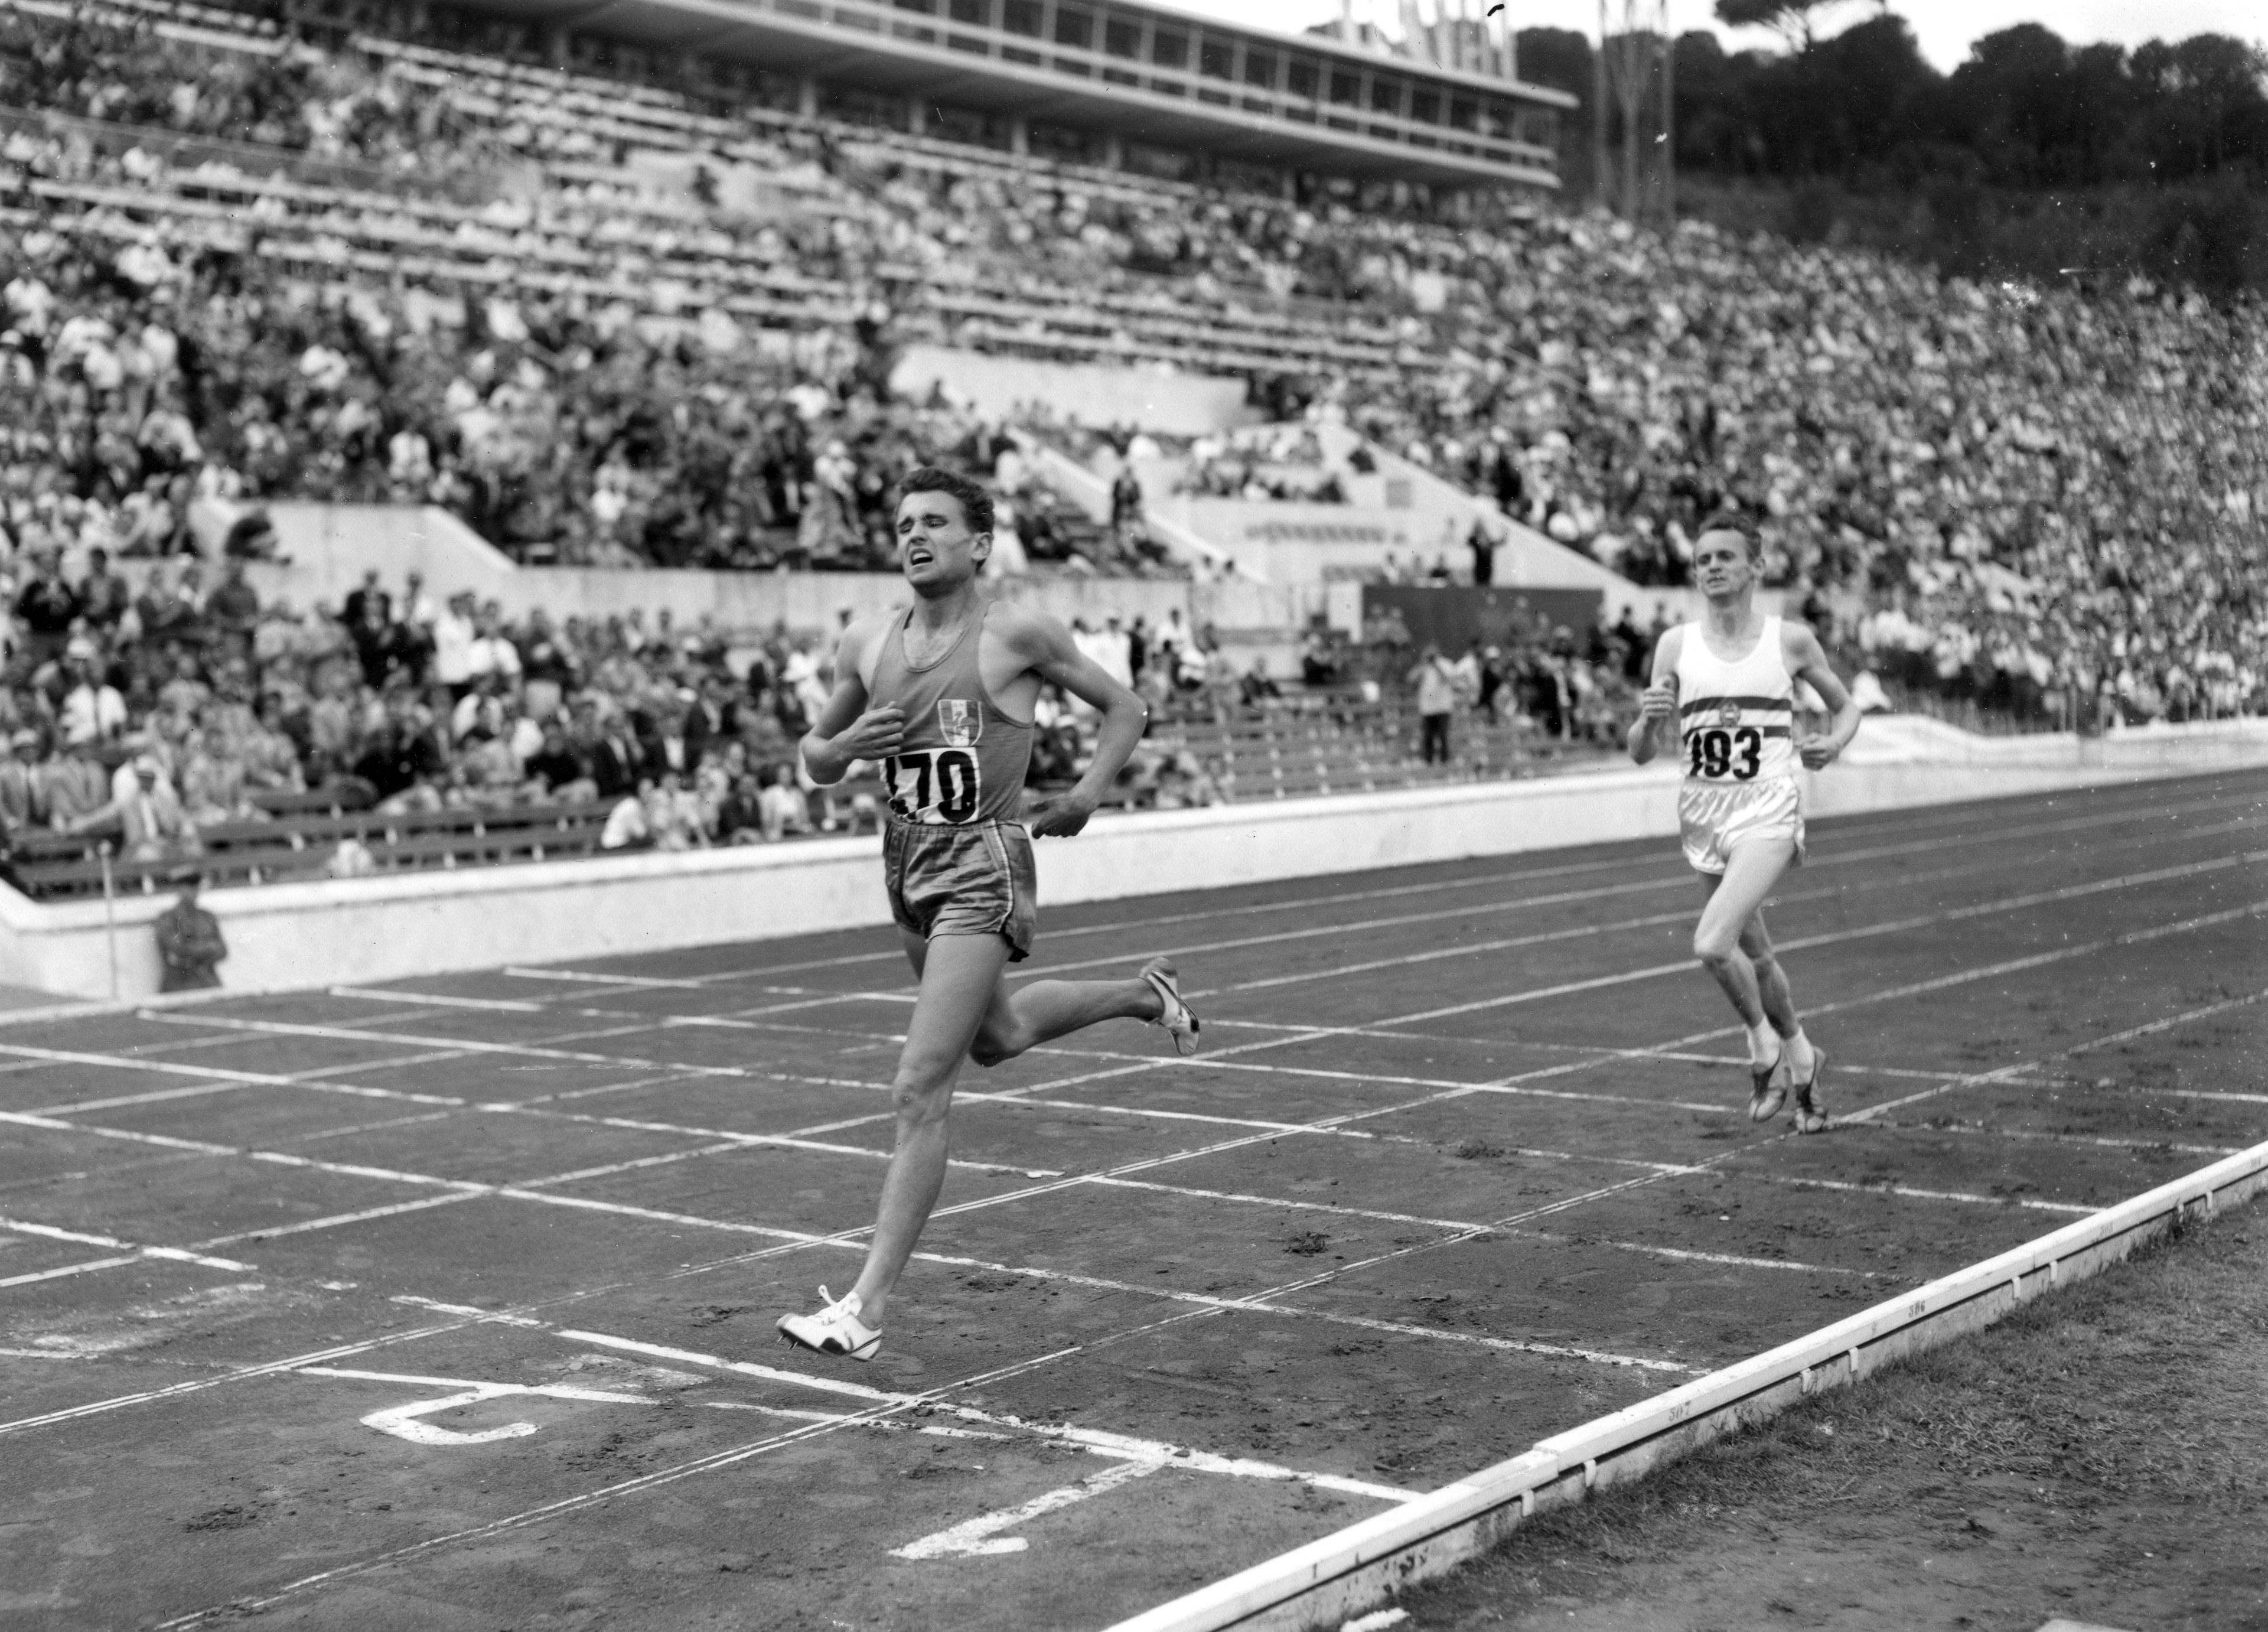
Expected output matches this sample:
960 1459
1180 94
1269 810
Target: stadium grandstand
655 290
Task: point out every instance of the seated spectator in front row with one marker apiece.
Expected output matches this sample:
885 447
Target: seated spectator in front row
740 813
149 819
785 810
627 828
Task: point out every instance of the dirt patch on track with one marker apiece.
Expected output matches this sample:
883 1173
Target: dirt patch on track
2101 1455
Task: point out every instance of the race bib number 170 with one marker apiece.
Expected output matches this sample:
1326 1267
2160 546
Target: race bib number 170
936 787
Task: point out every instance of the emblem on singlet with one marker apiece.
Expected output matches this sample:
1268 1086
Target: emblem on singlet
1728 712
960 721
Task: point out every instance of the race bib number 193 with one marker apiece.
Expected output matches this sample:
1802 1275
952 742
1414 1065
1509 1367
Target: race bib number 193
1715 754
936 787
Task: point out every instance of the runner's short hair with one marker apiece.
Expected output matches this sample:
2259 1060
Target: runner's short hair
975 503
1731 525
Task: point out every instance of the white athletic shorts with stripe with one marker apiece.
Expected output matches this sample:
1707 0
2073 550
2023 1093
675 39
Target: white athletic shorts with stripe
1716 818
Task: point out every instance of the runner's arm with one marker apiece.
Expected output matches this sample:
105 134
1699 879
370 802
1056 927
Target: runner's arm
1807 661
1047 647
847 730
1658 702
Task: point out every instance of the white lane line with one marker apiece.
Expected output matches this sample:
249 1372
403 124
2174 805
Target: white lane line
534 1051
979 1537
2138 1144
436 1000
1865 931
523 973
24 1226
1913 1193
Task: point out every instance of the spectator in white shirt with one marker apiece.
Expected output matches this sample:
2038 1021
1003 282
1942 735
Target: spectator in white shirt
490 653
92 711
452 645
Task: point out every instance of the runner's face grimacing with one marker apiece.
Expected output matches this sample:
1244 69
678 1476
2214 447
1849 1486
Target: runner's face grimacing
1722 565
936 552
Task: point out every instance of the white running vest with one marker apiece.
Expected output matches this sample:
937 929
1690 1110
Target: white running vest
1735 720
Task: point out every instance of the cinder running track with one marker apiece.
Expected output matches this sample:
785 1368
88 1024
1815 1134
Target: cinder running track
450 1305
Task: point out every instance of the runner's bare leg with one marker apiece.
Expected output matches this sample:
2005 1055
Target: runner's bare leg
1030 1015
1731 922
965 1010
959 976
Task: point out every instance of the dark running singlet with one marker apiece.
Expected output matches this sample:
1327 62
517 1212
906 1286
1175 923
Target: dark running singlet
961 761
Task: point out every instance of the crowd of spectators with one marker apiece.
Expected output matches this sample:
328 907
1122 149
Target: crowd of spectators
2038 496
151 714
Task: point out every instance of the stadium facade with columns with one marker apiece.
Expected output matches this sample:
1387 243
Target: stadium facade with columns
1115 82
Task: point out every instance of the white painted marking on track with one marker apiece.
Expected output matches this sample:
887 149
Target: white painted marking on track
979 1537
507 1005
1376 1621
132 1253
408 1421
1097 1441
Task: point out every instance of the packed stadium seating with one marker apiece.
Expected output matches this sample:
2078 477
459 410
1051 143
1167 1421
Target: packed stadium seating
241 263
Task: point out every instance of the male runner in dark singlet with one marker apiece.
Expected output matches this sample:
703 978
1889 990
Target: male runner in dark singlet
941 694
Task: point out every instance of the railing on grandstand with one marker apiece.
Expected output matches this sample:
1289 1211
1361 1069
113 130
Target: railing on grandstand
301 836
1329 742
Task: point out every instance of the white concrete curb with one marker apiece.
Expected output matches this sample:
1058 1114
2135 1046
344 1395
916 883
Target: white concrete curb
1357 1569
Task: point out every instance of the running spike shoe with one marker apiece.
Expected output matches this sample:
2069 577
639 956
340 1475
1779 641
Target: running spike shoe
1810 1104
835 1329
1768 1089
1175 1020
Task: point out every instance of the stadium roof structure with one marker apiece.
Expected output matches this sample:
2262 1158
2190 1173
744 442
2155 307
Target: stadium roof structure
1127 68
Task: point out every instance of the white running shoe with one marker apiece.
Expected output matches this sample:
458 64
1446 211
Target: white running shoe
1176 1021
835 1329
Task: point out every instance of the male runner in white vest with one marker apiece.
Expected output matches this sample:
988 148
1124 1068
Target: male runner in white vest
1726 681
941 694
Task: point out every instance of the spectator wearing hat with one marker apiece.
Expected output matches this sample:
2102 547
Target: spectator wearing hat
190 946
23 790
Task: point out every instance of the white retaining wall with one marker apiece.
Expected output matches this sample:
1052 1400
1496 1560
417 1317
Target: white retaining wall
292 936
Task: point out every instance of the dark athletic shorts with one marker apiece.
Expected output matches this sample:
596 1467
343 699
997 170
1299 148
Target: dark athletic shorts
972 880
